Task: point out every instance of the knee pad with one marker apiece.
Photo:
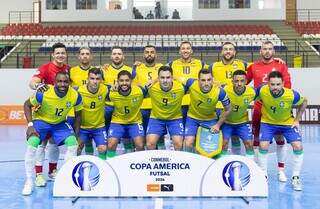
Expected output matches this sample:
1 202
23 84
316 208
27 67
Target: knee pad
71 141
33 141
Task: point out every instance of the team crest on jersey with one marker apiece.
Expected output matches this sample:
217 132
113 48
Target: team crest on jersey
281 104
235 66
99 97
246 101
134 100
68 104
173 95
209 100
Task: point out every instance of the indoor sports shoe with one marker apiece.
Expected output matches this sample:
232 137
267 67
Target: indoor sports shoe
53 175
28 187
296 183
40 180
282 176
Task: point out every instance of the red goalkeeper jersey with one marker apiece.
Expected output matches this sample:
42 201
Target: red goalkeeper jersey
259 71
47 72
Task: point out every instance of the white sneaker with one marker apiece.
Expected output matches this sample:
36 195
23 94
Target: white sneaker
40 180
282 176
53 175
28 187
296 183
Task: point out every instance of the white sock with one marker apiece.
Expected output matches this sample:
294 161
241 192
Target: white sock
281 155
30 160
40 155
263 161
53 153
297 163
70 153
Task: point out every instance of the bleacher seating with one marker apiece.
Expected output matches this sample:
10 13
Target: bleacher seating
133 38
307 29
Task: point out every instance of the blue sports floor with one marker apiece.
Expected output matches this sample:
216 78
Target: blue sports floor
281 195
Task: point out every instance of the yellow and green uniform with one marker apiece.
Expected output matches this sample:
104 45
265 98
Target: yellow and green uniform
79 76
166 105
185 70
54 109
92 115
144 74
203 105
277 110
127 108
239 104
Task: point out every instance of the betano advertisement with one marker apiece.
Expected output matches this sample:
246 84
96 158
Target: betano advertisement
160 173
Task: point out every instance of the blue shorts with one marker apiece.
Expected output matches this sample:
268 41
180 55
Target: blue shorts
99 135
192 125
184 111
268 131
70 120
145 117
108 115
242 130
59 132
159 127
125 130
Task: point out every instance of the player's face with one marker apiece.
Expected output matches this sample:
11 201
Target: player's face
94 81
239 82
275 85
205 82
59 55
228 52
124 83
62 83
85 56
185 51
149 55
117 56
165 80
267 51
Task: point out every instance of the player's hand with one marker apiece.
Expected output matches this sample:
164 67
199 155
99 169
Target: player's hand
31 131
105 66
150 83
296 124
137 63
36 108
80 148
215 129
41 87
278 59
115 87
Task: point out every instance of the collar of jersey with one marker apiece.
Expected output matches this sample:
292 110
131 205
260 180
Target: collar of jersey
277 96
59 94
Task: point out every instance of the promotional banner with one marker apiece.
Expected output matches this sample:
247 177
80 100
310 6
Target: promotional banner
160 173
12 115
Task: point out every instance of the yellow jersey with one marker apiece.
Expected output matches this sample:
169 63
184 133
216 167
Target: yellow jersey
144 74
166 105
239 104
203 105
223 72
92 115
186 70
127 108
278 110
79 76
54 108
